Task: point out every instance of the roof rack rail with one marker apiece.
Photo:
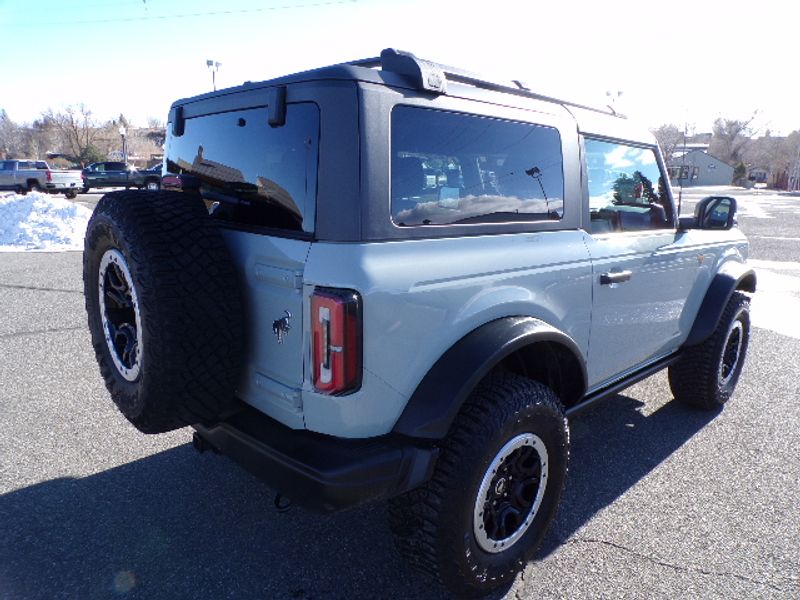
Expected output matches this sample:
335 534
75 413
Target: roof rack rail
433 77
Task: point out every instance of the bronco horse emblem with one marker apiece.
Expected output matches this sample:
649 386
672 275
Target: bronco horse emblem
280 327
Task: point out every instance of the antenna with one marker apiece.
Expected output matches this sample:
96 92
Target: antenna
683 165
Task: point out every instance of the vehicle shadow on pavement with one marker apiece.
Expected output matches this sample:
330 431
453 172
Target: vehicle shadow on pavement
178 525
614 446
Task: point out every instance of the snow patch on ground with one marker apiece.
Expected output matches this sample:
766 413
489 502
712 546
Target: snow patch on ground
776 303
39 222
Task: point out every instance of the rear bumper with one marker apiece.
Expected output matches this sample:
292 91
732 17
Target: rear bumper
319 472
64 187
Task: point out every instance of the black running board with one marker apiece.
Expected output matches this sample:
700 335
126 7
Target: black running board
616 387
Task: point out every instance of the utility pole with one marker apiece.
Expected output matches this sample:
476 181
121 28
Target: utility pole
123 132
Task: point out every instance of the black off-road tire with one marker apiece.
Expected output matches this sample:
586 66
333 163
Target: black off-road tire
706 375
438 527
171 305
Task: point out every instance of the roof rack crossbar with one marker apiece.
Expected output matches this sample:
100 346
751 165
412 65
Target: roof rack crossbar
433 77
517 91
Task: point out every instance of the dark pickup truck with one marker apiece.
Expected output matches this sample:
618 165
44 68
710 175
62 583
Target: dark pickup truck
119 174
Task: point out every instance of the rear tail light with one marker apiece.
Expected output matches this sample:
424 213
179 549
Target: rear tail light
336 340
49 176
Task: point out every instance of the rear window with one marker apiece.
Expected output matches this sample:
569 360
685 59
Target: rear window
249 172
452 168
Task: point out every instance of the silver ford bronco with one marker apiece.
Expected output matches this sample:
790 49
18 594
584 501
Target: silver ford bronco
394 280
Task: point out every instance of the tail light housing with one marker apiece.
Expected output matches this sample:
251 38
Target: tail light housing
336 351
49 176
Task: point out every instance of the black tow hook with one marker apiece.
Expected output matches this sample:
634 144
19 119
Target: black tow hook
282 503
201 445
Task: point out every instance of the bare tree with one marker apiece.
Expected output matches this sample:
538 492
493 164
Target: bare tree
730 138
9 136
670 138
77 132
775 154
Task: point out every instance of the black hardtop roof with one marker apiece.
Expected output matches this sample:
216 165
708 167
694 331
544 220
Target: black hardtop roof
401 69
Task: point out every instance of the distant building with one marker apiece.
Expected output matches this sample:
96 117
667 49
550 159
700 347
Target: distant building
698 167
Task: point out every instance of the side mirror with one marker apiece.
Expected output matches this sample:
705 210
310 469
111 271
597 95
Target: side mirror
712 212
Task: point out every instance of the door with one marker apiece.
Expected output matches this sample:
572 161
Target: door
642 274
7 174
97 175
116 174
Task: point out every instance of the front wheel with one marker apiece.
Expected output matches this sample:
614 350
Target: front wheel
706 375
495 490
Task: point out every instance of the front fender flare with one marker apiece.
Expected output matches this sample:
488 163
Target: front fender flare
731 277
438 398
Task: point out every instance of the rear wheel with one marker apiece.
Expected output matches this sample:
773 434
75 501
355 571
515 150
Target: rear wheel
33 186
71 194
164 309
495 490
706 375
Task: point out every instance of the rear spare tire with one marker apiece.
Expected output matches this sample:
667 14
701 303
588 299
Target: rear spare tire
164 308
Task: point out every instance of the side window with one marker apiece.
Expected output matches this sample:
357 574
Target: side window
100 168
249 172
626 188
451 168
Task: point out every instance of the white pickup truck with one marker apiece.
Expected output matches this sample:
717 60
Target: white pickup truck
23 176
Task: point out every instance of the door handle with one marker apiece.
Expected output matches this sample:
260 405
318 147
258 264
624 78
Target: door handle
615 277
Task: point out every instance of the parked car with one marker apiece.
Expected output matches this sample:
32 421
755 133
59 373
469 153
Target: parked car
119 174
398 281
23 176
179 182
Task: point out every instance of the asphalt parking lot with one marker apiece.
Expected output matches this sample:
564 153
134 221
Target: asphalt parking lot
661 502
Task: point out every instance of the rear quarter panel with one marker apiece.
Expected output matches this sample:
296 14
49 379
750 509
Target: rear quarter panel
421 296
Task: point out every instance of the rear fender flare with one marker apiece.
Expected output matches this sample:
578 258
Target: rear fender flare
439 396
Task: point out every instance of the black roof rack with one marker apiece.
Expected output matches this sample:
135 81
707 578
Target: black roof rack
433 77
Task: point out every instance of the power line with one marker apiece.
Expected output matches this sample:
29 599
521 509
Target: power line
214 13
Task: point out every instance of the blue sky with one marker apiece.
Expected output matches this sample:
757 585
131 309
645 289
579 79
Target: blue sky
680 61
